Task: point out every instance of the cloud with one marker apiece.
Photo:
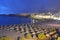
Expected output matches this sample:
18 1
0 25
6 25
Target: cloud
4 10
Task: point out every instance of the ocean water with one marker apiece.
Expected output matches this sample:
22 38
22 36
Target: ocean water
7 20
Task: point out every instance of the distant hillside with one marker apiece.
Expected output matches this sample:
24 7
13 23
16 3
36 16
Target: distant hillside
25 15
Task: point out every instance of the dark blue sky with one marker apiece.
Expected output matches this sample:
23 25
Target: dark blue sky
28 6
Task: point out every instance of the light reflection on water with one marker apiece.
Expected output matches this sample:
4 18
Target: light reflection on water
7 20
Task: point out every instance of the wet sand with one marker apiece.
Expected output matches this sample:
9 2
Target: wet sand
54 25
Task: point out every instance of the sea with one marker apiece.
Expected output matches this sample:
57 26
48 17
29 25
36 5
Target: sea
8 20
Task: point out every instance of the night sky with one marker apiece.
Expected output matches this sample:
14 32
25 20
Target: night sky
28 6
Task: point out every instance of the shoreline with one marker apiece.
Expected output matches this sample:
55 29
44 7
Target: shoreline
24 15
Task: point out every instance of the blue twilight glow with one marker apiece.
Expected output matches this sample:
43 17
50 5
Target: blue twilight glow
28 6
